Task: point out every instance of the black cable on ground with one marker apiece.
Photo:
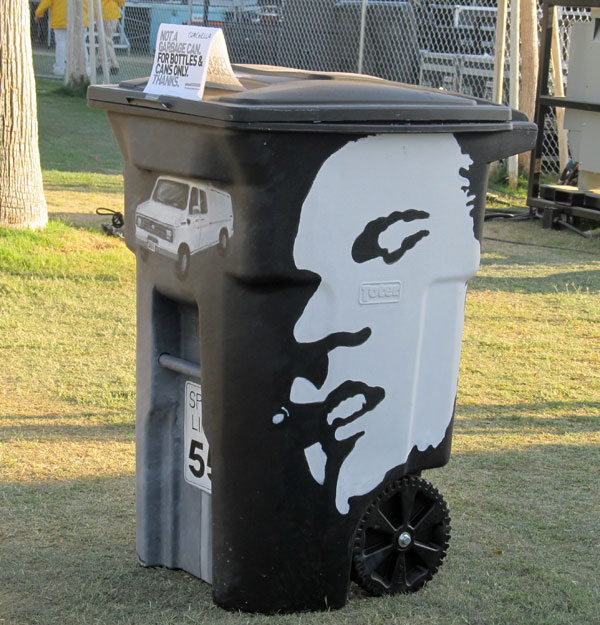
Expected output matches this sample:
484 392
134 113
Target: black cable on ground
502 214
551 247
117 219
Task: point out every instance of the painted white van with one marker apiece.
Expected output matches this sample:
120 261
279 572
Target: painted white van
182 217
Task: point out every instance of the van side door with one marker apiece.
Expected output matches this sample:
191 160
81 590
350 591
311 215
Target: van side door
199 224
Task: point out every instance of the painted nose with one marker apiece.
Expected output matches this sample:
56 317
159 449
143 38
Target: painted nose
329 312
317 353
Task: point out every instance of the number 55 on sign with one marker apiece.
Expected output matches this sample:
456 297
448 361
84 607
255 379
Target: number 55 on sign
196 451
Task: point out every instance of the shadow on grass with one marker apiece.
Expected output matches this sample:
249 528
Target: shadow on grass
484 419
521 410
528 427
573 256
61 274
69 551
569 282
87 183
552 417
69 556
116 432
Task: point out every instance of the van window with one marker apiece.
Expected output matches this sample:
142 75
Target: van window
171 193
194 203
198 202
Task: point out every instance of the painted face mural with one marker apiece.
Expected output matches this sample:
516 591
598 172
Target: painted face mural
386 227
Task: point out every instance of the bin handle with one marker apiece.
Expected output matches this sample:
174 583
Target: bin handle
157 104
179 365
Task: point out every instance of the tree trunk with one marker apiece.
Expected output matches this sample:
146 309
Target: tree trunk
22 201
75 75
529 63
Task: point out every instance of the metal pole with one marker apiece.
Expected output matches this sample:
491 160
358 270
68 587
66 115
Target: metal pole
361 41
500 50
515 17
102 40
92 41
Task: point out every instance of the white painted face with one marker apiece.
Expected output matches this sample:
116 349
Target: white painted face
386 226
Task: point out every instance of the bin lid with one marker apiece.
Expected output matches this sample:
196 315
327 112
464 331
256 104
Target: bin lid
290 99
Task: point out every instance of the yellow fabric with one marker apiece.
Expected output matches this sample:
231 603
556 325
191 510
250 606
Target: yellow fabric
58 12
111 10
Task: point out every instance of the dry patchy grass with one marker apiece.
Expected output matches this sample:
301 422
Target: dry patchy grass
522 484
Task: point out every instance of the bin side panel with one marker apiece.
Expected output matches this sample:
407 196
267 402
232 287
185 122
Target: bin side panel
353 234
173 518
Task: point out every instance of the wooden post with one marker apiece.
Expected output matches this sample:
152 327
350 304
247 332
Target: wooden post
529 63
515 18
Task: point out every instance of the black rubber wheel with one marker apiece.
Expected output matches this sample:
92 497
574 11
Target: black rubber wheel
402 538
223 242
183 261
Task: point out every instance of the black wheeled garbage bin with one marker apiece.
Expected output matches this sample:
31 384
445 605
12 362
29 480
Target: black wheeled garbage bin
303 248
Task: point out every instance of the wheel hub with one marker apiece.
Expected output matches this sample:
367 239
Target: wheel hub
404 540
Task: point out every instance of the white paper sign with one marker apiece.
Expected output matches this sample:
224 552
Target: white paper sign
196 454
186 58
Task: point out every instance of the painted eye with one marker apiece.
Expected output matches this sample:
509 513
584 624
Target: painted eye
367 246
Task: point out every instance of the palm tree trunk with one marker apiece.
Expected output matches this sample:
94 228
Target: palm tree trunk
22 201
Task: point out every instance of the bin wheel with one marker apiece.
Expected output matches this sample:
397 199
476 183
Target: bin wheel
223 242
402 538
183 261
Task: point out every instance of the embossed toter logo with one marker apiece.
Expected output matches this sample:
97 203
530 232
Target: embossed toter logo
380 292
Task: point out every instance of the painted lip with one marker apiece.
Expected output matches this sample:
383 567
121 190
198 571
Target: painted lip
347 390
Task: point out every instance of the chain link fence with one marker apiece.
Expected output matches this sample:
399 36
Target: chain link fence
432 43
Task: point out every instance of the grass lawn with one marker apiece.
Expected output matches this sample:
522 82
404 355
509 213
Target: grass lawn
522 484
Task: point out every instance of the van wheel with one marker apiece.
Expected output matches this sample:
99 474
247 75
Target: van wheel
223 242
183 261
